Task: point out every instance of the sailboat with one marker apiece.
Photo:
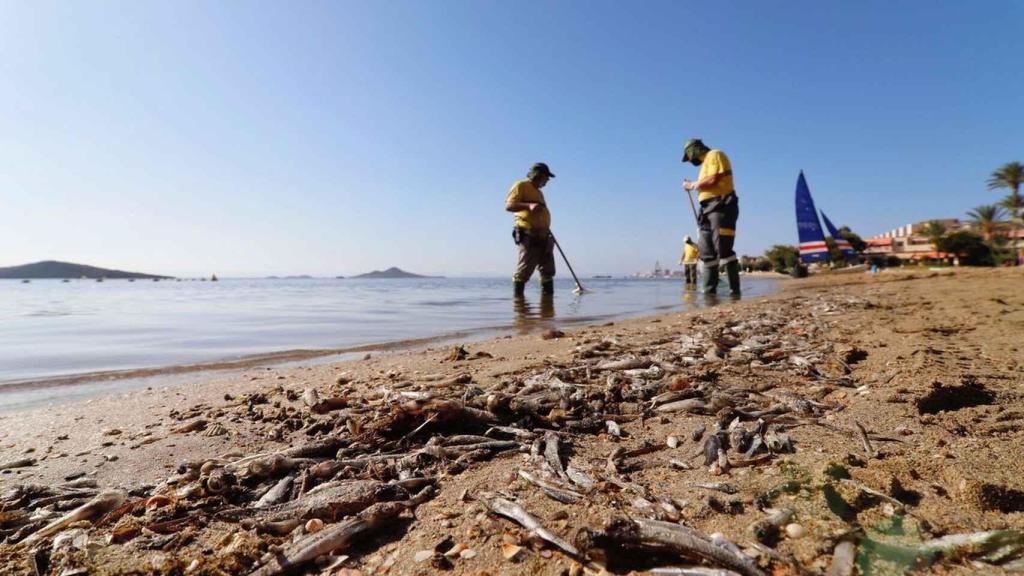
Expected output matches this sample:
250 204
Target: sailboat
842 244
812 239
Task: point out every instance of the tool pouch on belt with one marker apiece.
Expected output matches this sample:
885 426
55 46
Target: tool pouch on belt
716 203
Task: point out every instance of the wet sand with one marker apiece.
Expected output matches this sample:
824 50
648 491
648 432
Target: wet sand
907 349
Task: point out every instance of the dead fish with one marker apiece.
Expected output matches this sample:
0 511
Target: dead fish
580 478
98 506
712 444
19 463
623 364
513 511
335 500
718 486
778 441
553 491
688 405
843 558
332 538
740 439
766 530
192 426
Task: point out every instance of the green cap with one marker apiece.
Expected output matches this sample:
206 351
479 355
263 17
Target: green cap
691 147
540 168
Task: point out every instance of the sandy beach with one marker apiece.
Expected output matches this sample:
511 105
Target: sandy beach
883 400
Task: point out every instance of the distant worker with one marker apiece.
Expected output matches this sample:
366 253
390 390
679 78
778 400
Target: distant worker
719 210
689 261
532 230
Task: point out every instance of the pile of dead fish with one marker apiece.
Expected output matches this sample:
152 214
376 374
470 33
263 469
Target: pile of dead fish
374 451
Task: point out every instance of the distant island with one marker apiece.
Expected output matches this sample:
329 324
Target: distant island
393 272
54 269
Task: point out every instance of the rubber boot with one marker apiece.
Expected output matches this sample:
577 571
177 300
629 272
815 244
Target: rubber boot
733 270
547 286
711 280
518 287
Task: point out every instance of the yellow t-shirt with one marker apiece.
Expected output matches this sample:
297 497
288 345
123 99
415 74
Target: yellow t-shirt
716 162
525 191
690 253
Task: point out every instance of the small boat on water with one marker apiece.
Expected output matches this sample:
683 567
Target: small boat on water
26 281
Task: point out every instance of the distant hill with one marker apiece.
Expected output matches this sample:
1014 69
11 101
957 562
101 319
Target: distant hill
392 273
54 269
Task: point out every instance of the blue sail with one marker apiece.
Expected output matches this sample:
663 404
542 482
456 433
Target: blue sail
842 244
812 239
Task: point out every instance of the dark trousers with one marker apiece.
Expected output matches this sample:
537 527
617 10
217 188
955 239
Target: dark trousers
690 273
717 220
536 250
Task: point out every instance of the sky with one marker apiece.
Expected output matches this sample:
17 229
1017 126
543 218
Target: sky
332 138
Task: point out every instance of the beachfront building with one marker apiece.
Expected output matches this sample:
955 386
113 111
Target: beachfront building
909 243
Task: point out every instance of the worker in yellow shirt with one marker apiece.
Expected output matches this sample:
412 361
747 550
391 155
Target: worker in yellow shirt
689 261
719 210
532 230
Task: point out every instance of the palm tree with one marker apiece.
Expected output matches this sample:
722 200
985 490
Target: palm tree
987 220
935 230
1010 176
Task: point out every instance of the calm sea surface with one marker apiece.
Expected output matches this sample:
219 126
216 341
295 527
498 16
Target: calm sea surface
51 329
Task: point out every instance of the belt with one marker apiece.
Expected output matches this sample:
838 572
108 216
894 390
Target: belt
713 198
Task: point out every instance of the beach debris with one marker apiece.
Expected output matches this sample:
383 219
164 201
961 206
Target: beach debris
356 455
551 334
865 441
717 486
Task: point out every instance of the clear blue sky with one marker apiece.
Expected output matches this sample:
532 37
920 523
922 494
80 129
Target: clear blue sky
251 138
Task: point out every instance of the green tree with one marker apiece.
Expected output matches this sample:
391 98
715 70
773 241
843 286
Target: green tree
855 241
782 257
935 230
834 253
970 248
987 220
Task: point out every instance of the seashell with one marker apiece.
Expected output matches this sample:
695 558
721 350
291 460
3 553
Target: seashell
795 530
215 429
158 501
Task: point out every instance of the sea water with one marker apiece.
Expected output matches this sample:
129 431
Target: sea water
53 330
